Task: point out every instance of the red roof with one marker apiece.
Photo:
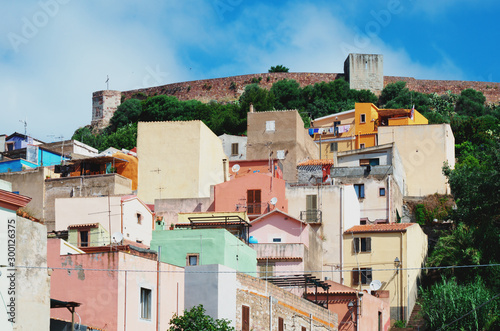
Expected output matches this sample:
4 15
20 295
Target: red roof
392 227
316 162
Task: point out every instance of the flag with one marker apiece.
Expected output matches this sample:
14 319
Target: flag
412 112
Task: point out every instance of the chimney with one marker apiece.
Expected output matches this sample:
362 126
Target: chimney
251 108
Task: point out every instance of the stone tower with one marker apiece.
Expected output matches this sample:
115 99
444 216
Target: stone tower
104 105
365 72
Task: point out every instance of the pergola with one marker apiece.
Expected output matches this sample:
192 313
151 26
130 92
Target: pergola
306 281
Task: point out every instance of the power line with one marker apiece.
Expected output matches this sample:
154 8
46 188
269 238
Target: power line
250 271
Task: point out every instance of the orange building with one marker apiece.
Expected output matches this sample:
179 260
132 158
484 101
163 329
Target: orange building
358 128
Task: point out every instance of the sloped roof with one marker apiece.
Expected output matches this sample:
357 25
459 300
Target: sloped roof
392 227
316 162
260 218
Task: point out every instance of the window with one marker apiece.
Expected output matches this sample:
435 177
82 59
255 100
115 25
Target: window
234 149
145 303
270 126
360 190
139 218
362 245
280 154
361 276
304 328
245 318
253 202
84 238
362 118
333 147
381 191
372 162
276 240
10 145
281 324
192 259
266 269
311 207
361 146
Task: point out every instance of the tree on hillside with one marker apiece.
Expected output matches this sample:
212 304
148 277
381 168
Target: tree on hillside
279 68
471 103
287 94
262 99
196 319
128 112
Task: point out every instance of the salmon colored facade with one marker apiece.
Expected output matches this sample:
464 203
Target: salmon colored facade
111 300
246 167
251 193
358 128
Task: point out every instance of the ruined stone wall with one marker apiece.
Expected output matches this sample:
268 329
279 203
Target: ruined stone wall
295 311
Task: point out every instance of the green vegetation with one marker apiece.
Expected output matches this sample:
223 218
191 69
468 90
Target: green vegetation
196 319
279 68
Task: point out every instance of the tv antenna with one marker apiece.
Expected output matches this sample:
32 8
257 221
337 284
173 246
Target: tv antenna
25 122
107 82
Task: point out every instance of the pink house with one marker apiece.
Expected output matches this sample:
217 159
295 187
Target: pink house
285 245
117 290
255 193
246 167
356 310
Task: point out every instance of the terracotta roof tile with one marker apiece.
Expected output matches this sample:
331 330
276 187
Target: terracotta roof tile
392 227
87 225
316 162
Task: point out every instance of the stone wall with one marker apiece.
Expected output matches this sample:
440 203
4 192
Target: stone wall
296 312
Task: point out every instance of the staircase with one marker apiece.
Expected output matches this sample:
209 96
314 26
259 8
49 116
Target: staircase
416 321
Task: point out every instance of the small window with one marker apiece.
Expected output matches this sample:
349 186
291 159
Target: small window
270 126
281 324
280 154
361 276
334 147
145 303
304 328
192 259
381 191
84 238
266 269
276 240
10 145
361 146
360 190
362 245
362 118
234 149
139 218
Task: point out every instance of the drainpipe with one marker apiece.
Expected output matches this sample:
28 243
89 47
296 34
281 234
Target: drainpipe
401 277
270 312
224 169
121 215
125 305
389 199
158 282
341 234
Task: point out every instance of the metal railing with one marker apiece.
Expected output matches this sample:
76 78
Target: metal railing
311 216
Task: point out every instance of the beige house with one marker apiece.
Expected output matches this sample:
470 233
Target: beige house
390 254
178 160
92 220
424 149
280 135
329 209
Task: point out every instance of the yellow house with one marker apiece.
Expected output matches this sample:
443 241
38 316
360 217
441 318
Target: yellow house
178 159
358 128
386 257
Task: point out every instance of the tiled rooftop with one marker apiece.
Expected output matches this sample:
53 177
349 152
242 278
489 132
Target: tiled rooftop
316 162
393 227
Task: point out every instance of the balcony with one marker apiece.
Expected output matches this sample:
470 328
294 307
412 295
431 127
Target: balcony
280 251
312 216
254 208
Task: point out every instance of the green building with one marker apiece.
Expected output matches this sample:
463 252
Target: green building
184 247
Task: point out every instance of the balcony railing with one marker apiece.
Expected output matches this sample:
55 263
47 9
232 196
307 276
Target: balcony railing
254 208
311 216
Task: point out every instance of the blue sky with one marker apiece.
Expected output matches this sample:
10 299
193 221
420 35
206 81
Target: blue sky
55 53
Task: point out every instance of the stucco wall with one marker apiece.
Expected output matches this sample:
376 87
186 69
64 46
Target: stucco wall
214 246
84 186
228 140
185 167
30 183
423 150
169 208
32 285
111 300
289 135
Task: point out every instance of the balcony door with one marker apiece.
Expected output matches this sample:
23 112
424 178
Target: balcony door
253 202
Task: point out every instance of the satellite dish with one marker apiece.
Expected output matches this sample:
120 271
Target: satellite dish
375 285
236 168
116 237
274 201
